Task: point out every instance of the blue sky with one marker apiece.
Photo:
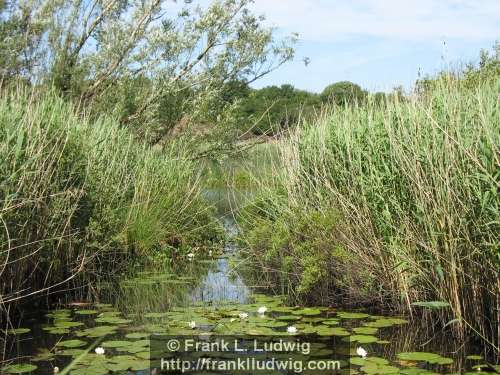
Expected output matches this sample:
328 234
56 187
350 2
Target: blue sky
378 43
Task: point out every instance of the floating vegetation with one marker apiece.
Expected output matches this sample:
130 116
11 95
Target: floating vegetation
124 339
19 368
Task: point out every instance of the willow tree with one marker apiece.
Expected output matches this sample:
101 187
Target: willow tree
93 49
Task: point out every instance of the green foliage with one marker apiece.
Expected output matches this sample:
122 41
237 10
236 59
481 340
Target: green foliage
102 52
273 109
415 183
303 247
343 93
81 199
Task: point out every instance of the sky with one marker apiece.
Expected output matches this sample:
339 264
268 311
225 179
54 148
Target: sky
378 44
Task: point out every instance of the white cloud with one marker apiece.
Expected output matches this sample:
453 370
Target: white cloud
327 20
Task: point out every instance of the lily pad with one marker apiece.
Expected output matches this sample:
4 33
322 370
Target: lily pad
348 315
18 331
71 343
20 368
418 356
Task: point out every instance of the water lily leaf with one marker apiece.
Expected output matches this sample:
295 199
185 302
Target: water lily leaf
86 312
348 315
362 339
20 368
71 352
331 331
365 330
474 357
71 343
137 335
18 331
307 312
97 369
418 356
289 318
99 331
113 320
56 330
116 344
67 324
43 354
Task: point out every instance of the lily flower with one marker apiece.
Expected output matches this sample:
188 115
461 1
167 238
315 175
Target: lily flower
243 315
361 352
291 329
262 310
99 350
192 324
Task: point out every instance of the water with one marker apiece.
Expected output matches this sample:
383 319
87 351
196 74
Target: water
212 292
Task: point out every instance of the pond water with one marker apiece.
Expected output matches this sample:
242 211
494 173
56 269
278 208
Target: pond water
207 298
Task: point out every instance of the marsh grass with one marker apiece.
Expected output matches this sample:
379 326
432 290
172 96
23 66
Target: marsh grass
82 200
414 186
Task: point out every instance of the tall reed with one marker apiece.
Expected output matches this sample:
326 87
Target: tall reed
82 200
415 186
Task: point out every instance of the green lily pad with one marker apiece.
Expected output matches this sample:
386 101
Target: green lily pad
99 331
20 368
113 320
117 344
347 315
418 356
365 330
307 312
474 357
86 312
71 343
362 339
18 331
137 335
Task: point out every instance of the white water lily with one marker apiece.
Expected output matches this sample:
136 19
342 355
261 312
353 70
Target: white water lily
192 324
190 256
291 329
56 370
99 350
243 315
262 310
361 352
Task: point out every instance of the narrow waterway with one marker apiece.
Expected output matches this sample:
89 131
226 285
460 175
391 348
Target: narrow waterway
209 295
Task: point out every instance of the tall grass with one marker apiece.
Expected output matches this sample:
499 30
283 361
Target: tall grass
82 200
413 187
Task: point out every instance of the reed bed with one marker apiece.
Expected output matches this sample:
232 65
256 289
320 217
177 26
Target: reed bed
83 200
398 203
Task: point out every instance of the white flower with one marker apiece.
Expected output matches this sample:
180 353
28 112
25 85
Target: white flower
56 370
210 253
192 324
361 352
243 315
262 310
190 256
99 350
291 329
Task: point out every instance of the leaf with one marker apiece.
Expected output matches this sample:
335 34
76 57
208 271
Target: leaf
19 368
